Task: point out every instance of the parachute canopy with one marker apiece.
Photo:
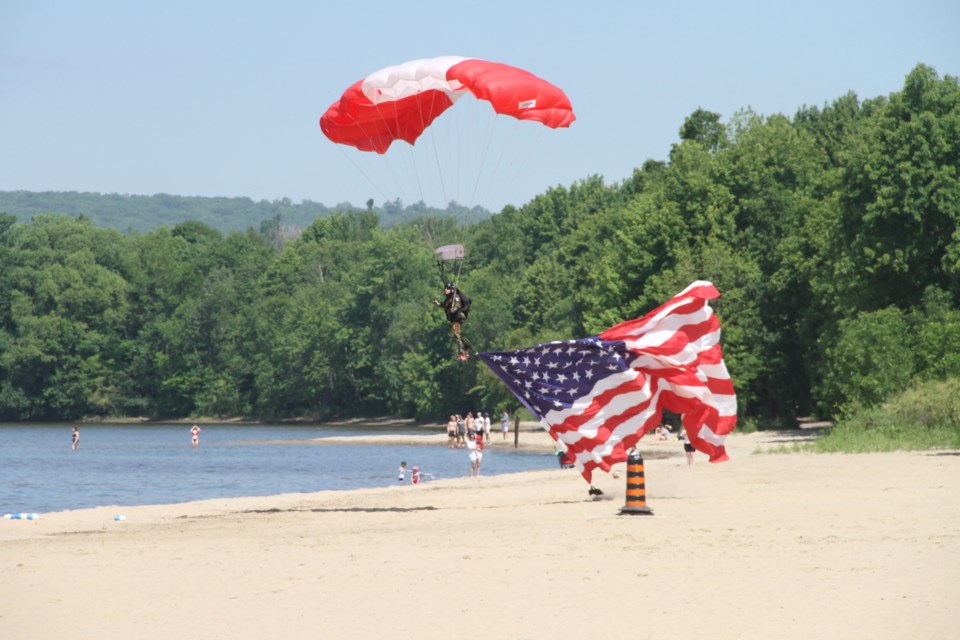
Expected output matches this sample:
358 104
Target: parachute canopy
450 252
400 102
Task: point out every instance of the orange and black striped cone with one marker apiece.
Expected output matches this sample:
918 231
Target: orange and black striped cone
636 503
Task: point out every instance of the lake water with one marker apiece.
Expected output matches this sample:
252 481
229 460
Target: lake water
155 464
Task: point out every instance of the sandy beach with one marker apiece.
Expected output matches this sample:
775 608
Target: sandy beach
767 545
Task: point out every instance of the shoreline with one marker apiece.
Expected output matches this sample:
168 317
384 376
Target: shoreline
532 438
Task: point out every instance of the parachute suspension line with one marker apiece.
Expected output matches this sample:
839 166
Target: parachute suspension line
385 161
362 172
436 155
511 160
523 155
442 268
456 280
487 141
413 157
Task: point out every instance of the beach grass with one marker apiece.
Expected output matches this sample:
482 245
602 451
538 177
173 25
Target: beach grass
925 417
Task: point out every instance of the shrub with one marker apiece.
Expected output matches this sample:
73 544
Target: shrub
925 416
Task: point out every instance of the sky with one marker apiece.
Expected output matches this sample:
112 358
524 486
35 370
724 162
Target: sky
218 98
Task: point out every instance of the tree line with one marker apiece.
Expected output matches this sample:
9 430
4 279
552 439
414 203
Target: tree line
138 213
832 237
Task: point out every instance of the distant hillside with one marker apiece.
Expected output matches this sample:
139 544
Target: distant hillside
128 213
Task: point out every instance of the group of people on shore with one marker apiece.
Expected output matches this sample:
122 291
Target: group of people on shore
472 433
459 428
463 432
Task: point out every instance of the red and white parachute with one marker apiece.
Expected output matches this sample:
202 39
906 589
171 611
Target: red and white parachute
400 102
465 153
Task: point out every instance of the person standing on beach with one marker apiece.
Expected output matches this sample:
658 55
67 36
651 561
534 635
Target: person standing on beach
505 423
195 436
402 473
473 451
76 439
471 423
452 433
687 446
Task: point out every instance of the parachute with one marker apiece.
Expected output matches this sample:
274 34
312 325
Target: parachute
400 102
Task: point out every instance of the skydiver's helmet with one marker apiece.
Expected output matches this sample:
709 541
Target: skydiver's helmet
449 286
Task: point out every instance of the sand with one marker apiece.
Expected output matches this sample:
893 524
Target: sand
767 545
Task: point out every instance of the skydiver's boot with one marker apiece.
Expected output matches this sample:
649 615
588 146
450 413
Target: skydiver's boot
463 350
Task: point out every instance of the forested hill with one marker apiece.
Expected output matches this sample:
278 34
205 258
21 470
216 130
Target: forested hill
127 213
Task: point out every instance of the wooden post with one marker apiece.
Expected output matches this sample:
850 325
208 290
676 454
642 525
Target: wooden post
516 430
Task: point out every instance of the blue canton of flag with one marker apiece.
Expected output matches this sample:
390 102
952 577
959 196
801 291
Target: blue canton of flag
552 376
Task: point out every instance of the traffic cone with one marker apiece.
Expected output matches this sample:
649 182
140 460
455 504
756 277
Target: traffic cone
636 504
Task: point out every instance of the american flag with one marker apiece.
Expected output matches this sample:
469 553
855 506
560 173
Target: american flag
598 396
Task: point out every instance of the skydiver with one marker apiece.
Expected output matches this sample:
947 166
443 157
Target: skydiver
456 306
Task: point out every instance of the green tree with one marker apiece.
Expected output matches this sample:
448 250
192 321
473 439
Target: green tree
872 359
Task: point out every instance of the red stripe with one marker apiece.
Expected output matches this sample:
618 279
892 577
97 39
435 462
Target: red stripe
720 386
713 355
597 404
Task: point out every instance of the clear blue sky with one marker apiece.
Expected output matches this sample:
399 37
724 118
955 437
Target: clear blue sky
223 98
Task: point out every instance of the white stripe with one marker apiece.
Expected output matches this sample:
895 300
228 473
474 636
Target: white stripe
706 434
725 404
688 354
413 77
716 371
